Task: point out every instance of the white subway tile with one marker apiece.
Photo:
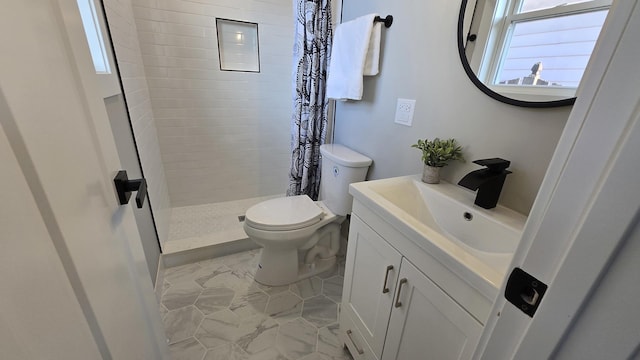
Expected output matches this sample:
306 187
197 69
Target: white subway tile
223 135
145 3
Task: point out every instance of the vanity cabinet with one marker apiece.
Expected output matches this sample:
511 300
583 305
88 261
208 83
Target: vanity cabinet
392 310
371 273
426 323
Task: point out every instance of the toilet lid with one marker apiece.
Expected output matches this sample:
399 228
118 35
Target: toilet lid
285 213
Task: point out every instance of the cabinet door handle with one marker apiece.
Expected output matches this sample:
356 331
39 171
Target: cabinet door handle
359 350
402 282
385 289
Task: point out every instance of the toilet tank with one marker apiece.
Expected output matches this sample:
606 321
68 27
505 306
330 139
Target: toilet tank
341 166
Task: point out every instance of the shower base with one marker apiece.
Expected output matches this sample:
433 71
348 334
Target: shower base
200 232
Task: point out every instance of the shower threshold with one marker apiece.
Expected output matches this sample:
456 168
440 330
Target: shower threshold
203 231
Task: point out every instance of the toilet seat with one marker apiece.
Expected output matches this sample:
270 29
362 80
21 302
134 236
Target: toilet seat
285 213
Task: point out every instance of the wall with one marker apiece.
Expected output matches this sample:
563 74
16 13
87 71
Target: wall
420 61
127 49
223 135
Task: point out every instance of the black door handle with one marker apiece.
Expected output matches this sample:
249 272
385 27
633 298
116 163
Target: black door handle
524 291
125 187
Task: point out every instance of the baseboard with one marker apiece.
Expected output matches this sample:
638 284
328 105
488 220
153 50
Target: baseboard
159 279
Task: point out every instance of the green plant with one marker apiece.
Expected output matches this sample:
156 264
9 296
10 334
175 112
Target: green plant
439 152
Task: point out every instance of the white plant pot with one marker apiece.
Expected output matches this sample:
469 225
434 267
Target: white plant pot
431 174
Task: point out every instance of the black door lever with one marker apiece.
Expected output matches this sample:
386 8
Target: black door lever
125 187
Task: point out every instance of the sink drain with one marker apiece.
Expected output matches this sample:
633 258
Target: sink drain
467 216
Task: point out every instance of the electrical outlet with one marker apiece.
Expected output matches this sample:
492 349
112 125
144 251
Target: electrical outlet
404 111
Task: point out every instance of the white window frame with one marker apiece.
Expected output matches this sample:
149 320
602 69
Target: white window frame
108 80
507 13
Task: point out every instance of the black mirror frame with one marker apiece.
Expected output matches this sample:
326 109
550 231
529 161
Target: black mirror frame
507 100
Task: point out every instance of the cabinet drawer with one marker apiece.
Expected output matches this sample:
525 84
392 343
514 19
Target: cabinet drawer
353 339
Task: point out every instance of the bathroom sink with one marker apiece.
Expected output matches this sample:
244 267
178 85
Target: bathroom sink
443 220
447 208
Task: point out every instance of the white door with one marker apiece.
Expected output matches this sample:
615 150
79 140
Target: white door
426 323
56 126
587 209
369 280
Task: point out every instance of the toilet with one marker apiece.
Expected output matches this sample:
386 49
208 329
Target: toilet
301 237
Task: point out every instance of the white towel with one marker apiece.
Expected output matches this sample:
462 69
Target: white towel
372 59
355 52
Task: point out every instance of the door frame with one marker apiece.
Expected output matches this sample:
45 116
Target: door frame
116 76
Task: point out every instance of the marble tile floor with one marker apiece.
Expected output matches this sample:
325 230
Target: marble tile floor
198 226
214 310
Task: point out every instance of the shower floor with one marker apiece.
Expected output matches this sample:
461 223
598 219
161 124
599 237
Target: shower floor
200 226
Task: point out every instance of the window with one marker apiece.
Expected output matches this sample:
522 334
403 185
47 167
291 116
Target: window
94 36
542 44
94 26
238 45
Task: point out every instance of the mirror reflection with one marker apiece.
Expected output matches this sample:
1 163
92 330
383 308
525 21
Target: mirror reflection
530 50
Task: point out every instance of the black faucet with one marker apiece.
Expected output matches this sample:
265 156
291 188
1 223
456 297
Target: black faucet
487 181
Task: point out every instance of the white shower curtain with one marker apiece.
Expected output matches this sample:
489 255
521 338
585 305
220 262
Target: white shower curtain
311 55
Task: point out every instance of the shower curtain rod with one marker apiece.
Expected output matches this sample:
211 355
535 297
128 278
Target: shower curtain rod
387 20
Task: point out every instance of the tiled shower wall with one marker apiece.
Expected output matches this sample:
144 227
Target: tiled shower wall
127 48
223 135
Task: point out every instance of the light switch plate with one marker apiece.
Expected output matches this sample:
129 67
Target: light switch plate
404 111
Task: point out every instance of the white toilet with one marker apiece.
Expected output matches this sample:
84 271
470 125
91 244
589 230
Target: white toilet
300 237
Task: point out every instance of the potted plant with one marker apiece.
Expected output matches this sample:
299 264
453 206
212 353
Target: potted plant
436 154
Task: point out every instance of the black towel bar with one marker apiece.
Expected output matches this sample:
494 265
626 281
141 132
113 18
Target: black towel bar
387 21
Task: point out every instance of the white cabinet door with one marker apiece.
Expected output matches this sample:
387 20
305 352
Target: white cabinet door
426 323
370 276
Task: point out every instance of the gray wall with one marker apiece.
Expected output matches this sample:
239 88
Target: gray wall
420 61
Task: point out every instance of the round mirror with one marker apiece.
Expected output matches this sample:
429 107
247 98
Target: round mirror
529 53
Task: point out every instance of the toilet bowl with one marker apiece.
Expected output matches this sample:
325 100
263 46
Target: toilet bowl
301 237
285 226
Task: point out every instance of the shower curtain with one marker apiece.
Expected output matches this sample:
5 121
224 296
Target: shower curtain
311 54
